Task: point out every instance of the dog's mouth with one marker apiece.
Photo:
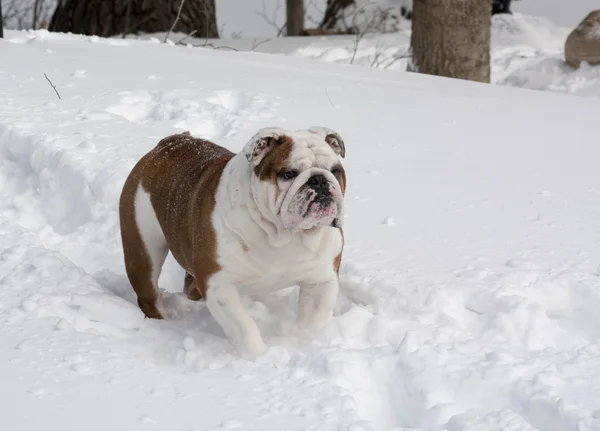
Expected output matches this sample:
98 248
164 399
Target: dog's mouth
321 209
320 203
310 208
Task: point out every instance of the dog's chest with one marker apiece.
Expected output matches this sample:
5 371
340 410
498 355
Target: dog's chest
261 268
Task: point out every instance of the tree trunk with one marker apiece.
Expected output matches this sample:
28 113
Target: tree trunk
451 38
1 22
107 18
333 13
295 17
36 11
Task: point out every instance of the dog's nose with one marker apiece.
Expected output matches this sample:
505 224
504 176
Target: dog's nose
317 181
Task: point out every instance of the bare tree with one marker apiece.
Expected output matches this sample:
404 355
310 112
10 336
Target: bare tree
451 39
112 17
1 22
27 14
295 17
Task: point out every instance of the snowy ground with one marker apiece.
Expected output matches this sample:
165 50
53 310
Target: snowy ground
470 281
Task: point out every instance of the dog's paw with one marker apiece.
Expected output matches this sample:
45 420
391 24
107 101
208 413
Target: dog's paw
314 322
153 308
274 355
252 348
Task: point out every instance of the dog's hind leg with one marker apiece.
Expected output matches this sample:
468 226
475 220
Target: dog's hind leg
144 247
191 289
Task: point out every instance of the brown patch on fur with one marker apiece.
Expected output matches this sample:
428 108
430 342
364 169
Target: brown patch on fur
342 181
338 259
275 160
191 290
181 174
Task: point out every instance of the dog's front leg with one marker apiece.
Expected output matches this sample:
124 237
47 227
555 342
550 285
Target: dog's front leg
223 301
316 303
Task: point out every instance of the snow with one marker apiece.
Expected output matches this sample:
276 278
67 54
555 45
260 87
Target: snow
470 278
555 10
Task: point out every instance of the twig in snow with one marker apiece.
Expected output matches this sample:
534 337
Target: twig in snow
213 46
176 20
53 86
330 102
185 37
257 44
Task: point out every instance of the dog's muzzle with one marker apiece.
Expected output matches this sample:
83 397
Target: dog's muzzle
317 202
321 186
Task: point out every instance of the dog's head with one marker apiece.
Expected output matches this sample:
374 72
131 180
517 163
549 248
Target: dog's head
297 176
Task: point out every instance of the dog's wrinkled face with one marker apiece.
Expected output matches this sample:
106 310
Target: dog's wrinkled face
298 179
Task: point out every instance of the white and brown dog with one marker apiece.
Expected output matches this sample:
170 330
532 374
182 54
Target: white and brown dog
267 218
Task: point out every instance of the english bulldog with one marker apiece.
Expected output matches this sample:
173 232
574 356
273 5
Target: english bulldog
266 218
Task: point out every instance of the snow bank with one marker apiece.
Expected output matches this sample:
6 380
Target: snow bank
527 52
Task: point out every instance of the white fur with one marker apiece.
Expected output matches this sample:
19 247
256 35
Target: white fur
152 237
258 254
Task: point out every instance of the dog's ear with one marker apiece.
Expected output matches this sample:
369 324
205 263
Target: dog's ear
333 138
261 143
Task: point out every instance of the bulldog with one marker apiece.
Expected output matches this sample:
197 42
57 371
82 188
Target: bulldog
266 218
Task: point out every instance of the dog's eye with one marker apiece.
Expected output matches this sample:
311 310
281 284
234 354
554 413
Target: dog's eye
336 171
288 175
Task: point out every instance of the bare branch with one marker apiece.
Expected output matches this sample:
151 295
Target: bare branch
140 23
176 20
213 46
257 44
359 35
383 61
378 54
397 57
53 86
272 21
372 25
186 36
